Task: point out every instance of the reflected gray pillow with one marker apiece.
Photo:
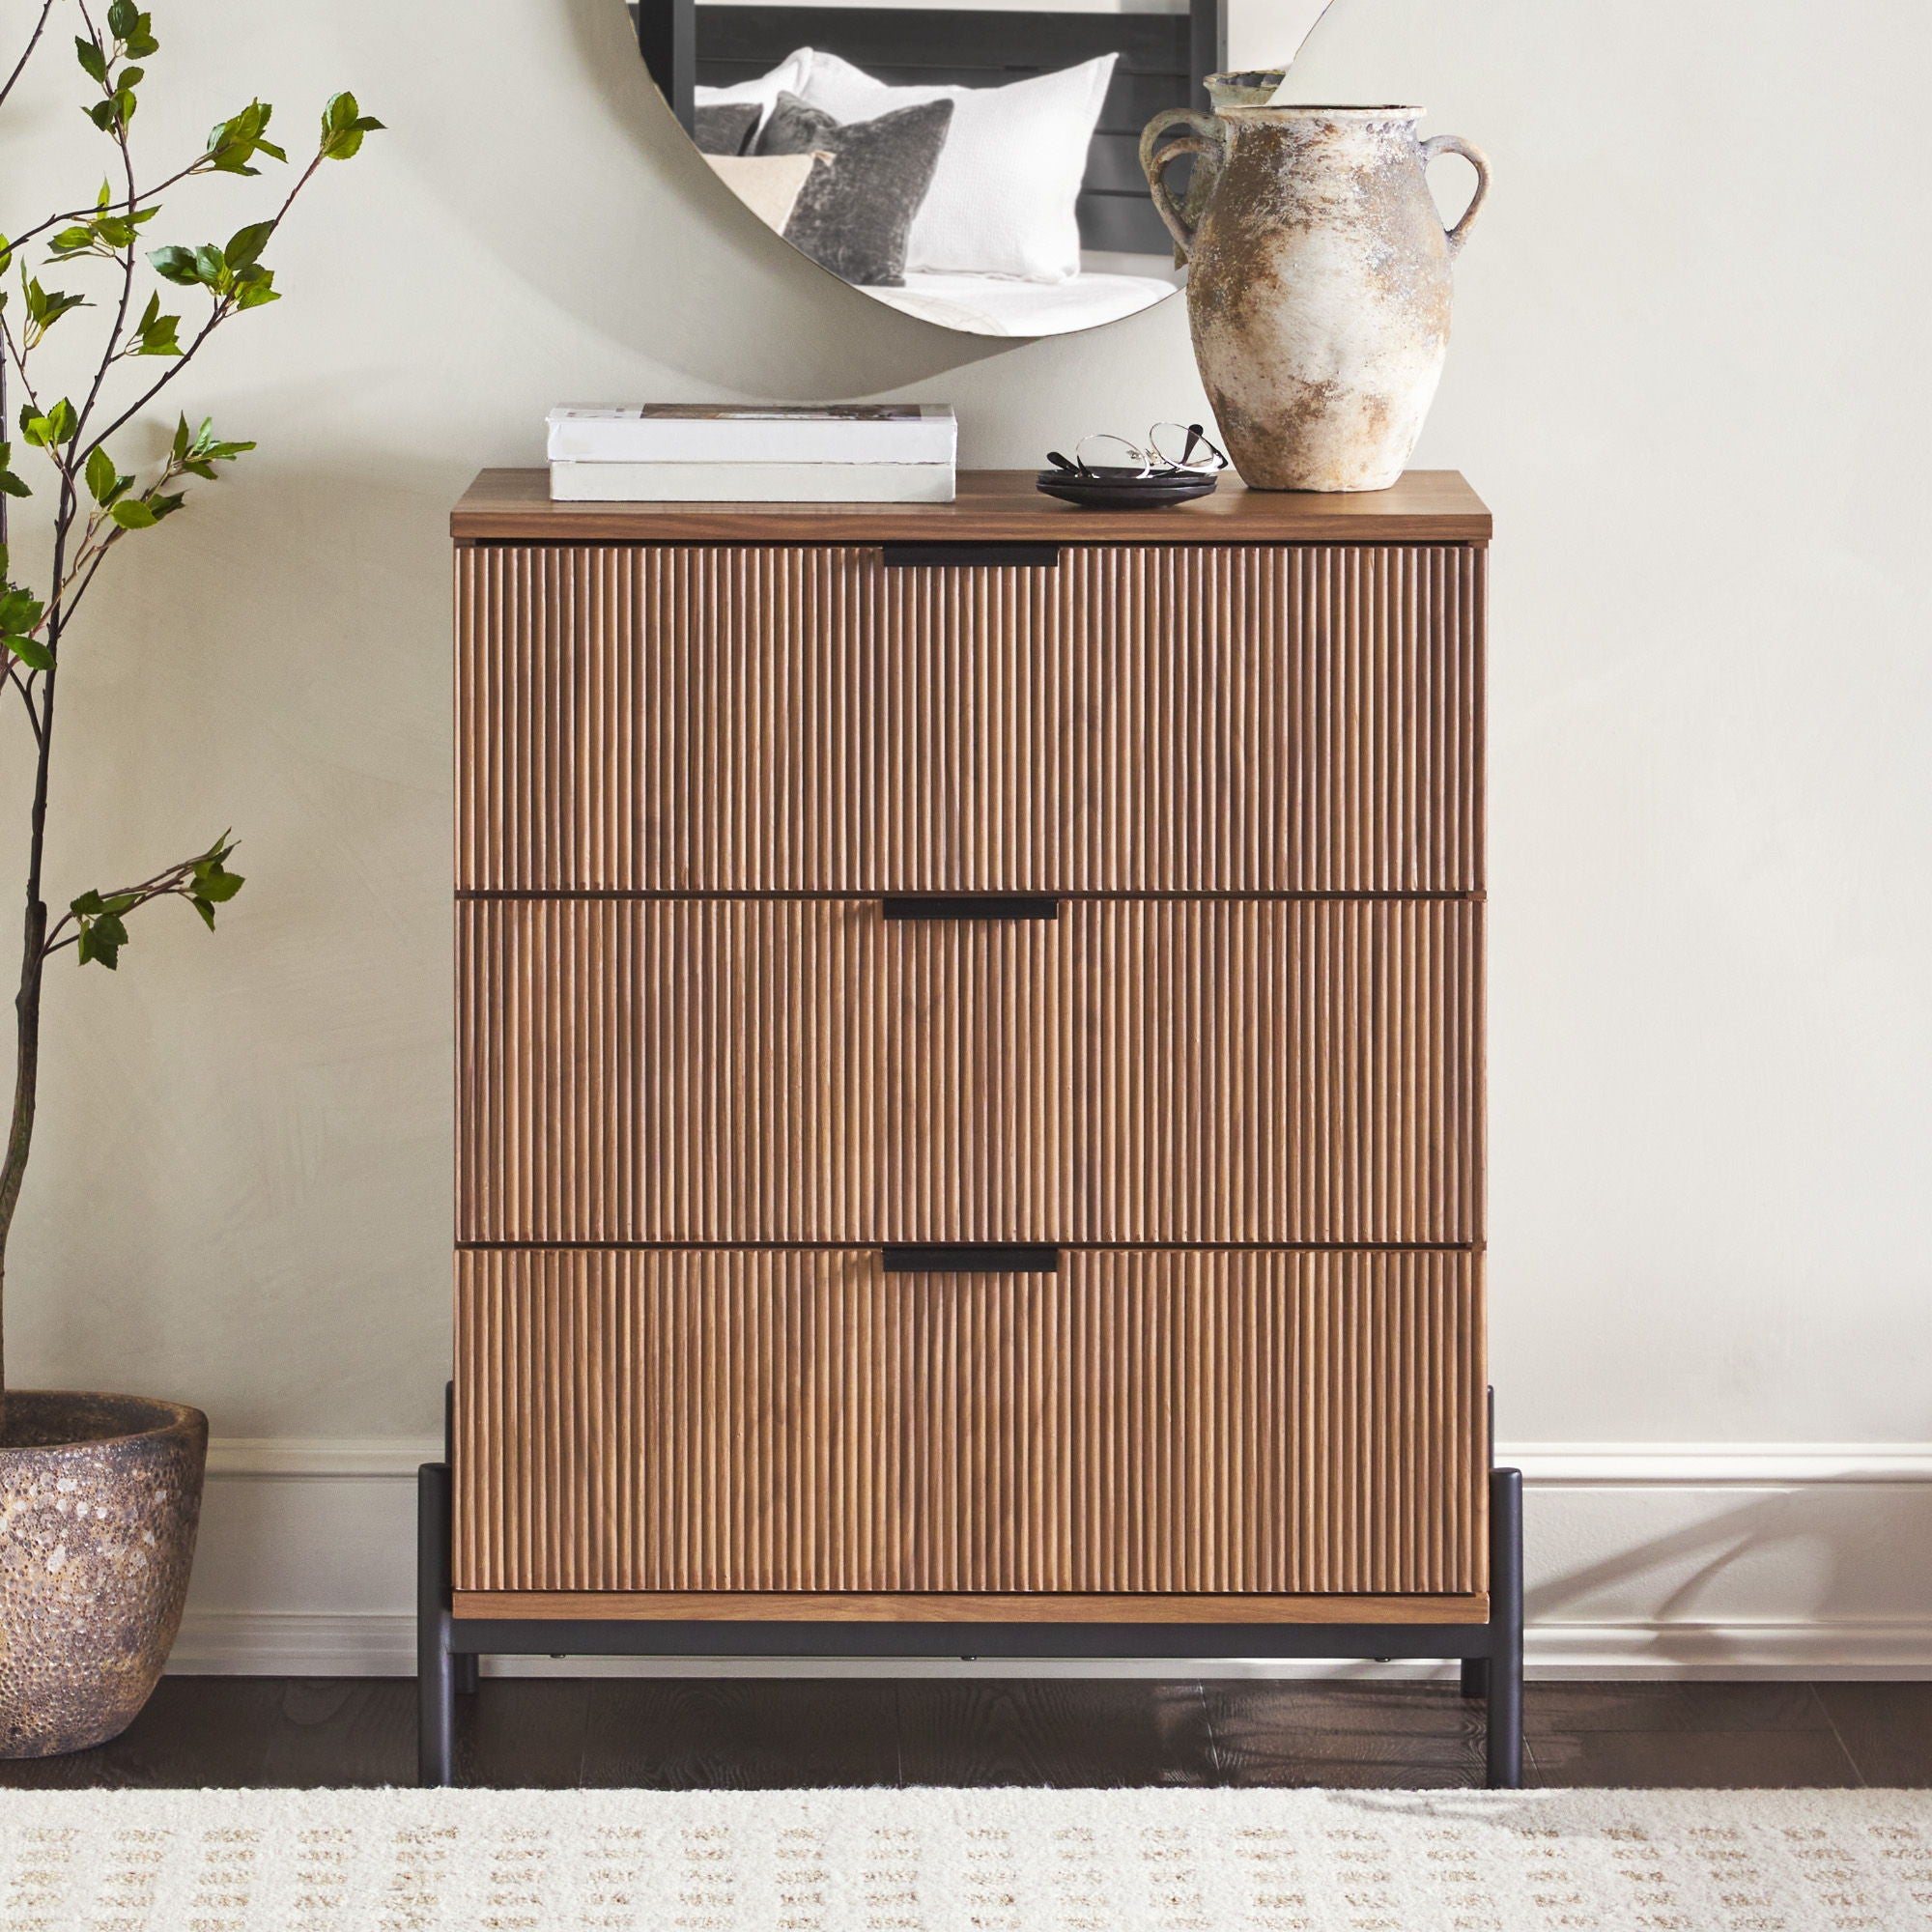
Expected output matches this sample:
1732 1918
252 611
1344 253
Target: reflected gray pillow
858 206
726 130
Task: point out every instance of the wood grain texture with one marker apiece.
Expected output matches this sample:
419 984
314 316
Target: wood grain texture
1034 1606
1169 1423
993 506
767 1070
1189 719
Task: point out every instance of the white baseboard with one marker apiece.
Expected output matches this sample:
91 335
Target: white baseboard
241 1643
1644 1559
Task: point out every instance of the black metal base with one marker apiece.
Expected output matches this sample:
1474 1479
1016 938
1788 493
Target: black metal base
447 1650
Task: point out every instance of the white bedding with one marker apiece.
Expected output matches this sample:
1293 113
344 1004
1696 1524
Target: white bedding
996 306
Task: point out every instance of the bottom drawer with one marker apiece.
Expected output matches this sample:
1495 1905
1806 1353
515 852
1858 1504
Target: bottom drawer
1167 1421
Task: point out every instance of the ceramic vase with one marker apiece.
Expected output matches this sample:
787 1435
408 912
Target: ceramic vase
1319 286
99 1498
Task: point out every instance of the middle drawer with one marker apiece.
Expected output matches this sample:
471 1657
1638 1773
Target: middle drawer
814 1070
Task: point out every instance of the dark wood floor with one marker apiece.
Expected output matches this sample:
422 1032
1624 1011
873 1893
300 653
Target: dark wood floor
673 1733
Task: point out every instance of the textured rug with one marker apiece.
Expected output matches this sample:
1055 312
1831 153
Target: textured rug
965 1861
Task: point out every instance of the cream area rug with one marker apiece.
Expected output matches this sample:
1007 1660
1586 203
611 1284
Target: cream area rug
931 1861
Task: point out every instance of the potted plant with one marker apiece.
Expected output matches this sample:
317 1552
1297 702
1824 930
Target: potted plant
99 1494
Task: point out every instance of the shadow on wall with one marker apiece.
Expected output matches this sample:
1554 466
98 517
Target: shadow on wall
1794 1544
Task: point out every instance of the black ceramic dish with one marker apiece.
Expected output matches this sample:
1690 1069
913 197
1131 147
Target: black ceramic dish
1124 488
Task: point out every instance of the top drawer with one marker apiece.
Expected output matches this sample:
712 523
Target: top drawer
1191 718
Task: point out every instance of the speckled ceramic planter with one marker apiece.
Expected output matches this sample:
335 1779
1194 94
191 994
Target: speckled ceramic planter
100 1495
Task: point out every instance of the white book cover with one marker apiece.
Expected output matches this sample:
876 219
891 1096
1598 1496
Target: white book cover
753 433
751 482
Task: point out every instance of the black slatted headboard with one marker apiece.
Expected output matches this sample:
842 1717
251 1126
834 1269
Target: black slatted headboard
1164 60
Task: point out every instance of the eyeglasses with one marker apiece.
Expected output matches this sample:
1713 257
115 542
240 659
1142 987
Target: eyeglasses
1197 456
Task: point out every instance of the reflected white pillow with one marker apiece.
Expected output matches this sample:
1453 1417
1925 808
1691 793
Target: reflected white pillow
1002 197
787 77
768 184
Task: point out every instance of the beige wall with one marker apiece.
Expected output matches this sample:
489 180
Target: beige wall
1690 376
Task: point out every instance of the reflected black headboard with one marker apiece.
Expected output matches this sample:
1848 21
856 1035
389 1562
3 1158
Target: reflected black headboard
1164 60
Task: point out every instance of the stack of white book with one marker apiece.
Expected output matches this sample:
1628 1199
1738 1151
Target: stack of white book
752 453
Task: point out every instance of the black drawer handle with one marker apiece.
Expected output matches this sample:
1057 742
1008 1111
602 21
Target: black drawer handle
970 555
953 1259
970 905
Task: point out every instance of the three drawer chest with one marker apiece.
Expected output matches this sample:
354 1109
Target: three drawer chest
969 1085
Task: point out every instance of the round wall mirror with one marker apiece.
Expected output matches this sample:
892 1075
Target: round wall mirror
977 166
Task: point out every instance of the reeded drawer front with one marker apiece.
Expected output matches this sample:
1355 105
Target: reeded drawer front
1137 719
813 1070
704 1421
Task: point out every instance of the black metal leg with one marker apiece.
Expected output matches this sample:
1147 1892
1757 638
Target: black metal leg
469 1673
1505 1658
1476 1677
436 1666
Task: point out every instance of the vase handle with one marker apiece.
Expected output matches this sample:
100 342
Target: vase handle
1454 144
1155 158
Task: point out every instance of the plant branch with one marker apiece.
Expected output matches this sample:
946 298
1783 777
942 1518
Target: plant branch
27 53
14 679
120 323
224 308
96 505
169 879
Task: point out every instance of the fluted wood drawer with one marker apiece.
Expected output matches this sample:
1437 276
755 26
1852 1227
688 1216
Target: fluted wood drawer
813 1070
1139 719
765 1421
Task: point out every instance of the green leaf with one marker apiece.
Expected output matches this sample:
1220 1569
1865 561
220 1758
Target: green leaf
19 609
93 63
174 264
102 475
343 126
31 652
255 288
45 307
204 908
87 904
102 938
155 332
133 514
182 440
71 241
246 244
124 18
211 267
234 143
14 485
49 431
213 882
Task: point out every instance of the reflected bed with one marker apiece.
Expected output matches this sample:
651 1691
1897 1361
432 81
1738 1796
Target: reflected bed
996 306
1036 218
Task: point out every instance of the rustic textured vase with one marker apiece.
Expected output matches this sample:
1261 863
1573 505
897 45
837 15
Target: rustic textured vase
100 1495
1319 286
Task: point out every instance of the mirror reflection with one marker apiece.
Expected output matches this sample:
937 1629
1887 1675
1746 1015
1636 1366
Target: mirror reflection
978 167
